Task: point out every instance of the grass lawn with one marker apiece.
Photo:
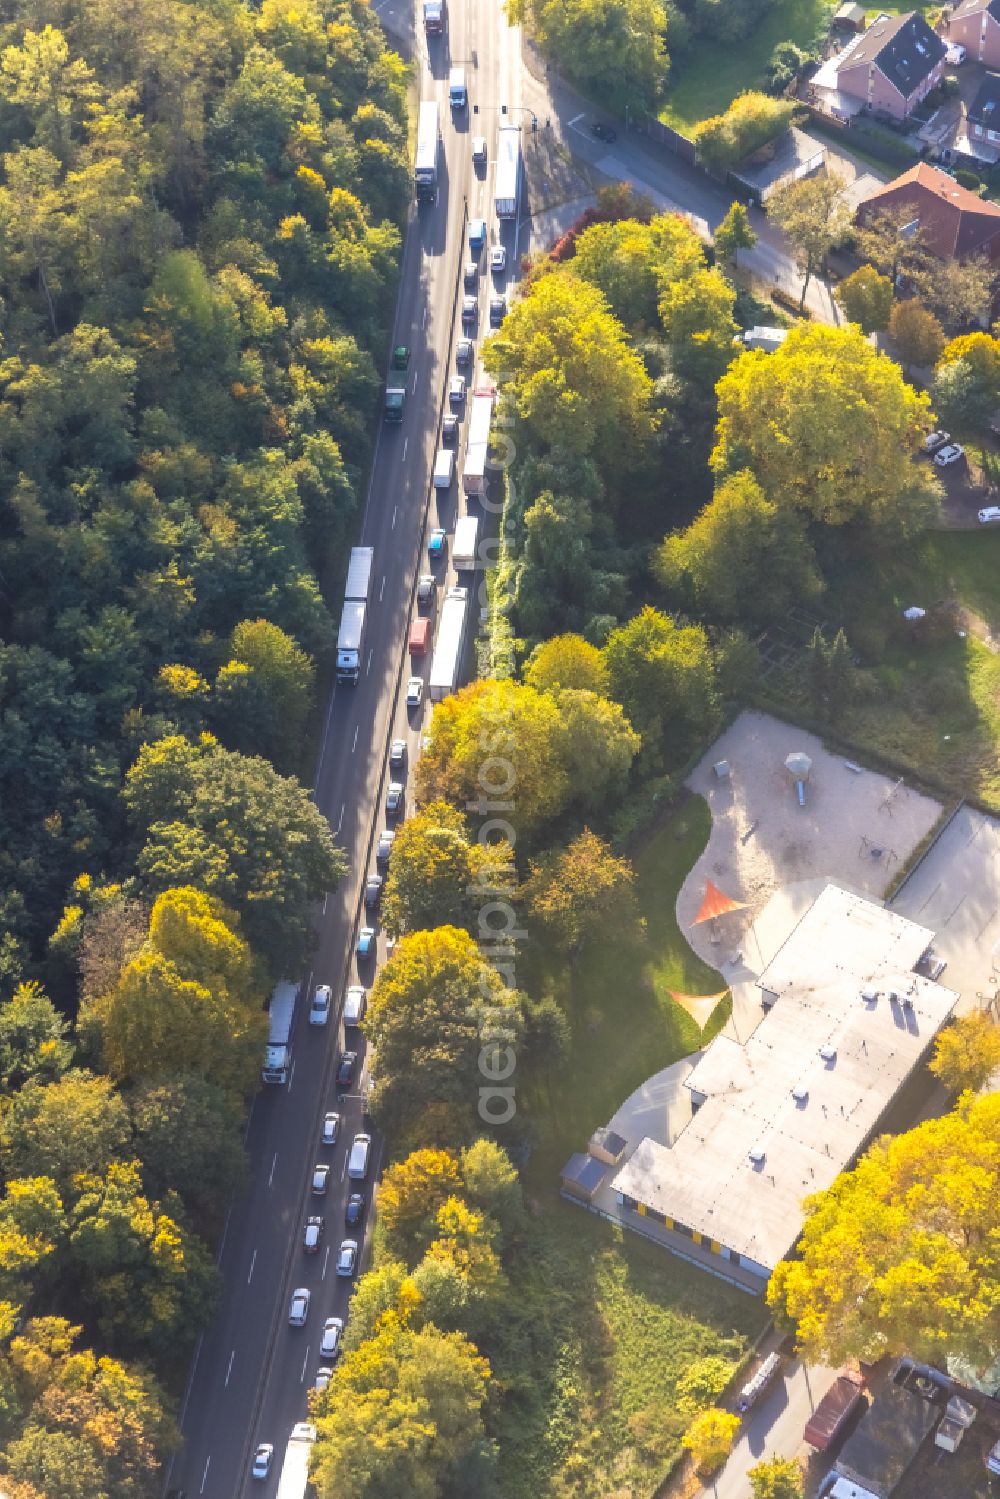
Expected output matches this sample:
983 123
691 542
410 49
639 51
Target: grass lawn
611 1320
928 701
708 75
624 1024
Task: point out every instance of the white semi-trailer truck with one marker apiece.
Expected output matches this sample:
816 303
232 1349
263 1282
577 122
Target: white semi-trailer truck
353 618
448 650
294 1480
477 446
508 178
280 1015
428 141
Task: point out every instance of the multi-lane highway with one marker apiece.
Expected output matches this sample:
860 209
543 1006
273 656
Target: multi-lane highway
252 1371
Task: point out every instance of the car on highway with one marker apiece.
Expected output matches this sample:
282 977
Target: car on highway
397 749
298 1308
477 235
384 849
261 1465
366 942
935 440
470 274
354 1209
394 798
400 357
603 132
990 516
329 1343
346 1064
479 152
320 1180
449 429
331 1128
436 543
323 1376
470 311
463 352
951 453
373 892
357 1163
425 594
355 1004
456 390
414 692
312 1234
498 311
319 1010
498 259
347 1259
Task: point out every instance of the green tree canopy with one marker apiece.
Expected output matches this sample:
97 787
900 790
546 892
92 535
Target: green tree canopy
750 122
33 1040
59 1129
633 263
828 426
264 693
616 51
663 674
867 299
582 890
438 877
230 825
567 661
742 559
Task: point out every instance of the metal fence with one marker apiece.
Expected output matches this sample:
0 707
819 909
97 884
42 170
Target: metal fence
672 139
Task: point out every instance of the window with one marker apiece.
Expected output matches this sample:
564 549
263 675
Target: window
629 1202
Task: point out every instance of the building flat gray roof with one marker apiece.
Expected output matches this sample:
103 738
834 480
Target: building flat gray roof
805 1115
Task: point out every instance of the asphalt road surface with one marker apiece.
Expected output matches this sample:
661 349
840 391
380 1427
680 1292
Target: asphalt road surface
252 1371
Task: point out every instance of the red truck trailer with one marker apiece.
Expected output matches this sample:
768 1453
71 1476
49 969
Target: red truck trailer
834 1410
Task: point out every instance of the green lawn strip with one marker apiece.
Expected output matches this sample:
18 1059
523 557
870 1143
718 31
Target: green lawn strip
707 76
624 1025
612 1322
602 1323
933 705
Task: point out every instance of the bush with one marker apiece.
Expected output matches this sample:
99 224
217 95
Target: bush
968 179
786 63
751 121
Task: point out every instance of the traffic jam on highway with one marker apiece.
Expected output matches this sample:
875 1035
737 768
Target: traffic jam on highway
338 1154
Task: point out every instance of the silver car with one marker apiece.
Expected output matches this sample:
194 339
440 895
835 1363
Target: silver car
298 1309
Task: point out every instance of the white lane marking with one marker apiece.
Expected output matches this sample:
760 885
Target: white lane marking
230 1369
253 1261
326 736
340 819
395 512
355 744
270 1180
343 1169
325 901
291 1074
305 1361
405 441
575 118
326 1261
224 1233
423 321
381 590
369 666
187 1392
204 1476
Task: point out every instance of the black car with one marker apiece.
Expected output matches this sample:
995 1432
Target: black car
345 1068
603 132
373 891
355 1209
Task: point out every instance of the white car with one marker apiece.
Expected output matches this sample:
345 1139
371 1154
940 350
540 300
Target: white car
498 259
397 750
955 55
312 1235
463 352
384 849
945 456
479 150
329 1343
298 1309
319 1010
990 516
323 1376
355 1004
320 1180
262 1460
456 390
347 1259
331 1128
414 692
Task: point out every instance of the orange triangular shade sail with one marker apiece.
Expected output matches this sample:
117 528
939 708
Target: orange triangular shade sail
716 903
697 999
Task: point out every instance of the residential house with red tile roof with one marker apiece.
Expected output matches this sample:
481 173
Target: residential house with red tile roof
955 224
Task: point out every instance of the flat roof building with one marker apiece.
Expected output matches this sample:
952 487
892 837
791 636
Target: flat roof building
778 1118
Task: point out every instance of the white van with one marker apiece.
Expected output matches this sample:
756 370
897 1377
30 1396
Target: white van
357 1165
444 468
355 1003
458 96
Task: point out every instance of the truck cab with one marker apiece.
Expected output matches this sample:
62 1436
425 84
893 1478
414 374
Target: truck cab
395 401
458 94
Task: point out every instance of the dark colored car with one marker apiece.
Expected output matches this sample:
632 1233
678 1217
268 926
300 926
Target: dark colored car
355 1209
603 132
345 1068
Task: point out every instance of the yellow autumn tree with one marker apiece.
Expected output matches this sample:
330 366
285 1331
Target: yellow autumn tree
409 1197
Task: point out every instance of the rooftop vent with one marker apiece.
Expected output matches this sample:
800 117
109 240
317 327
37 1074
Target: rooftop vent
870 996
907 1001
828 1053
800 1093
757 1156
